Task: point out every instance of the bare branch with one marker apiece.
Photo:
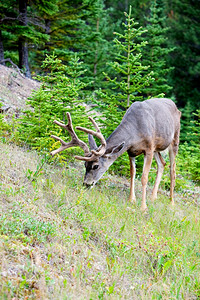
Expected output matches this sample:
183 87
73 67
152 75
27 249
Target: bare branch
14 65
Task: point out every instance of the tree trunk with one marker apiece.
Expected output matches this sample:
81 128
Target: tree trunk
1 51
48 31
22 44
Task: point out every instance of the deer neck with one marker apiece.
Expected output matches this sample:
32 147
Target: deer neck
121 135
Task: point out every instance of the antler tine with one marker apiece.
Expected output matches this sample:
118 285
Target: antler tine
93 157
63 147
75 140
99 135
95 124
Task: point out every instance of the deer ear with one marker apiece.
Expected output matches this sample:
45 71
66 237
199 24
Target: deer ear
114 150
92 143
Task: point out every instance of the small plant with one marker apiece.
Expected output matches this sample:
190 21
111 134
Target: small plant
5 128
31 175
25 228
155 248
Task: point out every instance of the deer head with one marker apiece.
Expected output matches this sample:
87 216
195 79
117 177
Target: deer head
97 159
100 164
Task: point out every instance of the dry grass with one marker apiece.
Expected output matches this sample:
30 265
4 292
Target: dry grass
58 241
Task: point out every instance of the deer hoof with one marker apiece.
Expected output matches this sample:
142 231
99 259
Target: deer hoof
132 200
144 208
153 198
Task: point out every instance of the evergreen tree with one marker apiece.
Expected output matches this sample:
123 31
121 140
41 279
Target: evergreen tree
58 94
65 23
131 75
117 9
186 118
130 78
20 31
43 12
189 153
97 50
8 26
156 52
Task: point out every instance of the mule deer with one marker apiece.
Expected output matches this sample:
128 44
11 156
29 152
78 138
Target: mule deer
147 127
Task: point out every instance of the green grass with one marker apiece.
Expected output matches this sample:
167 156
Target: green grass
59 241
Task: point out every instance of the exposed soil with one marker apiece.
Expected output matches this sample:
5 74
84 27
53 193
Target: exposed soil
14 90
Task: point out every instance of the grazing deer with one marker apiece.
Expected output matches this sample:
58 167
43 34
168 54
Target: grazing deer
147 127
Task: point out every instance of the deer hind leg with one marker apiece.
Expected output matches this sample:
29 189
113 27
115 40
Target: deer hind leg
146 168
160 167
173 150
172 155
133 173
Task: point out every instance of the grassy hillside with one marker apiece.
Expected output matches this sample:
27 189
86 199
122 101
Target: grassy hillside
59 241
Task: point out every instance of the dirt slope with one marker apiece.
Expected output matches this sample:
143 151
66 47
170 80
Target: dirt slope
15 89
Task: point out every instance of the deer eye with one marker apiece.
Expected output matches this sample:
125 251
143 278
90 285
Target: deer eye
95 167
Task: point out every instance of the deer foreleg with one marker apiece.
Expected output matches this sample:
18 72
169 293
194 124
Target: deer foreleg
160 165
146 168
133 173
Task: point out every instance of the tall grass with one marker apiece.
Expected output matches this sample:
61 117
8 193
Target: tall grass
60 241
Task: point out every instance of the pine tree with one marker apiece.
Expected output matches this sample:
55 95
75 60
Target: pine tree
43 12
131 75
8 27
156 52
97 49
130 78
186 118
20 31
189 153
58 94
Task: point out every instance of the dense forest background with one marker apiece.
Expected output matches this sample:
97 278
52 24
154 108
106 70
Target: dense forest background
109 54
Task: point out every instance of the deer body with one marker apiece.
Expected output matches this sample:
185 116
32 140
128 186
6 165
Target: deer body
151 123
147 127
